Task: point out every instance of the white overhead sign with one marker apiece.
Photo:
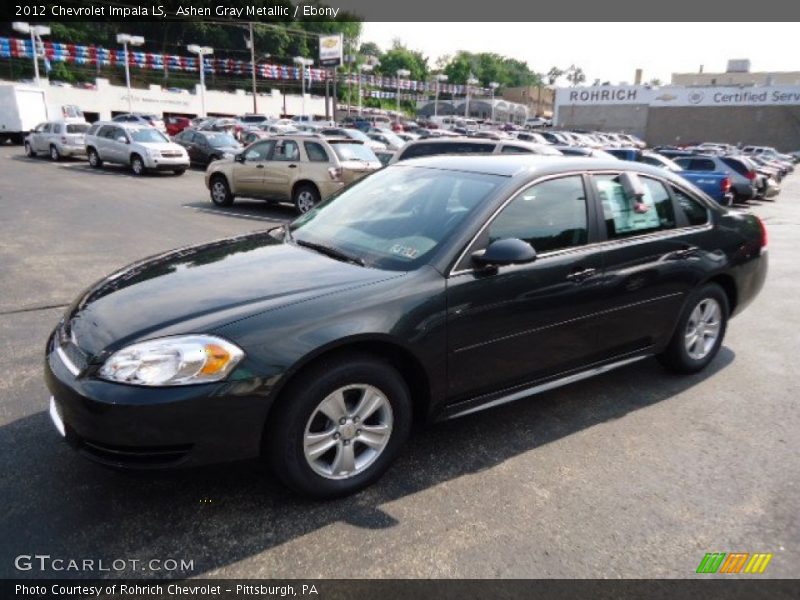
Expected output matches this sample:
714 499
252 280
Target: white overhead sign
330 50
775 95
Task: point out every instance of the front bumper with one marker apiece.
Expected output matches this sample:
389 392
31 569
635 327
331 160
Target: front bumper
161 163
145 428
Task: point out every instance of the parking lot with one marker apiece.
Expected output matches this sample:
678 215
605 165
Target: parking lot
636 473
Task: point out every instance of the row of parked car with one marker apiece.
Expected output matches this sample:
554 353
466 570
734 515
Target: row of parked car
304 162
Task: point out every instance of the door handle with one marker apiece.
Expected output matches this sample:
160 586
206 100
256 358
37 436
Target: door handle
580 275
292 166
689 252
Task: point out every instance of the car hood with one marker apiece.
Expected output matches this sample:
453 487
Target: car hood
161 145
200 288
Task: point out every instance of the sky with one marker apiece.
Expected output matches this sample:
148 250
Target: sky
606 51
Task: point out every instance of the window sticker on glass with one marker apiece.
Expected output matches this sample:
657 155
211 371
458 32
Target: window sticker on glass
628 214
406 251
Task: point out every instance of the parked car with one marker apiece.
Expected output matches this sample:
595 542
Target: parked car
291 168
142 148
142 120
175 125
353 134
385 156
743 180
204 147
249 136
386 137
478 281
228 125
253 119
443 145
716 185
57 139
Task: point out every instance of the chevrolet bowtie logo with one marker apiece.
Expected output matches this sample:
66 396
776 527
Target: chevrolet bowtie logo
734 562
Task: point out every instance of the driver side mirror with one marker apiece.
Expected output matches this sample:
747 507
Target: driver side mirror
510 251
122 139
239 157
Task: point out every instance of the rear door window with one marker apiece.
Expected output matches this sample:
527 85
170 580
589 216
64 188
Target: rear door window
315 152
696 212
702 164
625 216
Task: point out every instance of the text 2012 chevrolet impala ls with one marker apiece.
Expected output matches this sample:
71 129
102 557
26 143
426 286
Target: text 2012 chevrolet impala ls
431 289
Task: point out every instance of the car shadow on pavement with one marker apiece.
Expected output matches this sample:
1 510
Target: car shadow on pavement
80 165
60 504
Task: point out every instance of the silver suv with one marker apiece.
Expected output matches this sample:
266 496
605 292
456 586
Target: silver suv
57 139
140 148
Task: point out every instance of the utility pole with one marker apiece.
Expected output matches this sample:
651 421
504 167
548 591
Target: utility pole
253 64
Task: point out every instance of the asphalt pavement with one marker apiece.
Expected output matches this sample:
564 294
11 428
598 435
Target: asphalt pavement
635 473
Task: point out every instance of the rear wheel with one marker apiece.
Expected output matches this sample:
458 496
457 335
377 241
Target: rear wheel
137 165
305 198
220 191
29 150
700 331
344 426
55 155
94 158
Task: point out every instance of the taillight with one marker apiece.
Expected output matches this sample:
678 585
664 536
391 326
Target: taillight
763 233
751 175
726 185
335 173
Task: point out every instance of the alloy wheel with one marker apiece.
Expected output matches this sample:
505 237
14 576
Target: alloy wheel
305 201
702 328
219 192
348 431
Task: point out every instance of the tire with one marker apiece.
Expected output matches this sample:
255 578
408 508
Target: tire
29 150
328 474
220 191
137 165
683 356
305 197
94 158
179 171
55 155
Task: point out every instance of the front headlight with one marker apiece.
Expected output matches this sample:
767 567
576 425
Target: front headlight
179 360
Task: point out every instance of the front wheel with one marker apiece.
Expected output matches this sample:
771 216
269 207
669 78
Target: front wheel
342 426
137 165
220 191
29 150
94 159
700 331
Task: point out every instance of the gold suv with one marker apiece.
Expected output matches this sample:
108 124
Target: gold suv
302 169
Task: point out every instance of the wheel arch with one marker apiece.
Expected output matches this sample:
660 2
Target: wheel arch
383 347
302 182
728 285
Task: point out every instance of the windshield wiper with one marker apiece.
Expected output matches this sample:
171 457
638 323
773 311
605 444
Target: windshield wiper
332 252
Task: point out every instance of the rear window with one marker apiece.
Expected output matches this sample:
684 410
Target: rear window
315 152
77 127
354 152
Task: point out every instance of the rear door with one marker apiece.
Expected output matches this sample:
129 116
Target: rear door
647 263
518 323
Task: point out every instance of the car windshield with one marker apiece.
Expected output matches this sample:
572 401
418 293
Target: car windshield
148 135
354 152
221 140
392 137
77 127
357 135
397 217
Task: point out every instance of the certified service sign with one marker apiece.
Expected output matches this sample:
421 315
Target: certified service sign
330 50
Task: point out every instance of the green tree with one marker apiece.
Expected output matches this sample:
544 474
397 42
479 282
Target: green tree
400 57
554 74
575 75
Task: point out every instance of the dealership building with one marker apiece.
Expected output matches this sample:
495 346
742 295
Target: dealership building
749 114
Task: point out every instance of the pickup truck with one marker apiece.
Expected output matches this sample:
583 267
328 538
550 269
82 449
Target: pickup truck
714 183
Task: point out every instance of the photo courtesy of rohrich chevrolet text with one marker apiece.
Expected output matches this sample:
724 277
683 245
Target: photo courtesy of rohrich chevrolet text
356 299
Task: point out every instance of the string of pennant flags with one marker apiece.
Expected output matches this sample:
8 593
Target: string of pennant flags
94 55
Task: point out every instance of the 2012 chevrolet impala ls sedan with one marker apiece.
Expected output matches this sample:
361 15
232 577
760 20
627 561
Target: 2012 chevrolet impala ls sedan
431 289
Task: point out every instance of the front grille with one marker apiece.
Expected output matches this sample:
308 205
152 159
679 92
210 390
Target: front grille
170 154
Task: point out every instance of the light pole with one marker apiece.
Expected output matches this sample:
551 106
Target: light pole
36 31
364 67
493 86
400 73
470 81
303 62
439 79
201 52
125 40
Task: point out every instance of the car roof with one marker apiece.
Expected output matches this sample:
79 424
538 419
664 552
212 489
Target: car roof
526 165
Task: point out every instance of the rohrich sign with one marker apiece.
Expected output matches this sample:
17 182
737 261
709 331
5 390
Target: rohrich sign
776 95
